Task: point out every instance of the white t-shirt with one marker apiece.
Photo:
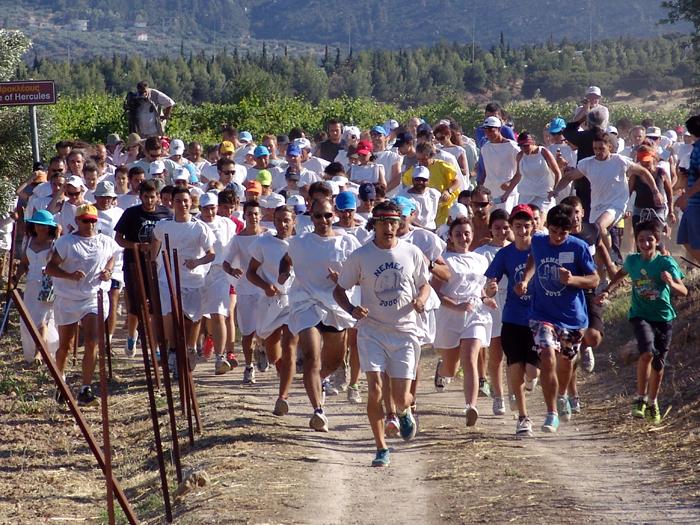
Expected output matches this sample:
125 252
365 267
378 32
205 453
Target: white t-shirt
238 256
306 177
269 250
223 229
466 276
426 206
315 165
106 221
537 177
489 252
499 163
567 153
210 173
127 201
683 151
191 239
66 217
608 180
389 281
388 159
427 242
367 173
360 232
87 254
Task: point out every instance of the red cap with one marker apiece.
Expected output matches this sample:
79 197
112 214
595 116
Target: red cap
364 147
522 208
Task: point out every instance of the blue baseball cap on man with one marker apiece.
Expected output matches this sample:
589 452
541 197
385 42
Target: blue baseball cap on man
406 205
378 129
346 200
261 151
245 136
293 150
557 125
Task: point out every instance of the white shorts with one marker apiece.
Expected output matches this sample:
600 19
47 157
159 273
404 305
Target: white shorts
426 327
395 353
215 296
191 302
509 204
496 322
69 311
247 313
541 201
600 209
451 326
273 313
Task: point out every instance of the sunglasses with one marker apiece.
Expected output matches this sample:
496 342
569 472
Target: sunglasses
72 193
327 215
87 221
480 204
229 172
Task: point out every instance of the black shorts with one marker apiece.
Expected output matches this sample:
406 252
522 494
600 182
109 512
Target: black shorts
328 329
518 344
654 337
115 285
595 314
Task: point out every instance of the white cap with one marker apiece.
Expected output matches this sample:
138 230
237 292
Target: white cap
333 186
76 182
157 166
208 199
420 172
492 122
593 90
196 191
343 181
303 142
250 149
458 210
687 133
180 174
611 129
295 200
390 125
351 130
671 135
272 201
177 147
105 189
653 131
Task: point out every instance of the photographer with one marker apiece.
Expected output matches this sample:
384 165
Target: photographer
148 110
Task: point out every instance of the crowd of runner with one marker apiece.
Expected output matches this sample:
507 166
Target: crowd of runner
347 252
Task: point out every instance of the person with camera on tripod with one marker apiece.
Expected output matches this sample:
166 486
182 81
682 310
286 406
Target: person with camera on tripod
148 110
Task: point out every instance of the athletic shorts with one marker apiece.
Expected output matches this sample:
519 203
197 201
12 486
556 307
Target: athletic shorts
546 335
70 311
115 285
215 298
390 351
518 344
328 329
595 314
247 313
689 228
451 326
654 337
191 302
600 209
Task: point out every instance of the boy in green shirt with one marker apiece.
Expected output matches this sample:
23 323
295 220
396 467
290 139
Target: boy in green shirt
655 278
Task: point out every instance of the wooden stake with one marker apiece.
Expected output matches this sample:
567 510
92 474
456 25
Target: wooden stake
72 404
104 398
10 276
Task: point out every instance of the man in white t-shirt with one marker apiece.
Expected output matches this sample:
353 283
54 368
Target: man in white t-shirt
393 279
308 161
294 158
387 158
499 155
194 243
427 199
81 263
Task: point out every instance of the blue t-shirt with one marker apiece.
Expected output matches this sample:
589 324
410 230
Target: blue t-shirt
563 306
694 172
511 262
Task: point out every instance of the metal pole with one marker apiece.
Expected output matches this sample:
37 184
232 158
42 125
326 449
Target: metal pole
72 404
34 131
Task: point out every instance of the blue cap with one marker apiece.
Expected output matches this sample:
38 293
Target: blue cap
293 150
379 129
557 125
42 217
346 200
245 136
405 204
260 151
367 191
403 138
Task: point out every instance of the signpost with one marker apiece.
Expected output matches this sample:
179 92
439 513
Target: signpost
30 93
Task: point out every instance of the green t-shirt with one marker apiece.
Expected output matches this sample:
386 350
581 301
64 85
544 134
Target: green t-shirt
651 297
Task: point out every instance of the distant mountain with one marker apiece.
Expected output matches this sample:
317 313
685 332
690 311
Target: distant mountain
95 27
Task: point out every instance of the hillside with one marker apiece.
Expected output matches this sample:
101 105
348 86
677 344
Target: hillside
72 28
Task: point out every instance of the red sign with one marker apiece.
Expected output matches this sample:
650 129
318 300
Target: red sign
27 93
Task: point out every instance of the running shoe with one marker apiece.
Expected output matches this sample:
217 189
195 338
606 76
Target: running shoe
58 397
319 421
484 387
221 366
575 405
499 406
587 359
639 408
472 414
86 398
232 359
523 427
513 403
530 384
551 422
328 387
192 358
354 394
130 349
263 363
339 378
392 426
382 458
208 348
563 407
407 425
249 375
439 381
281 407
653 415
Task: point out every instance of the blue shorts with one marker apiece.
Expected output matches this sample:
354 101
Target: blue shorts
689 228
